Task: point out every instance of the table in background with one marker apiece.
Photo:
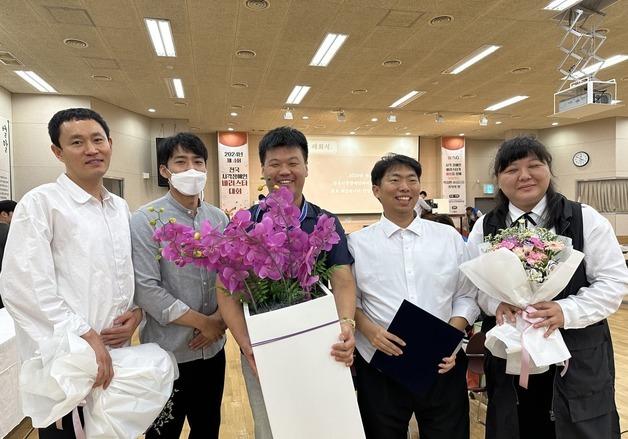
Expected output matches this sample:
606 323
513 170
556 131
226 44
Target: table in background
11 413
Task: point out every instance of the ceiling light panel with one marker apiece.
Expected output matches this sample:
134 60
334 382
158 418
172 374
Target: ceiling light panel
406 99
36 81
471 59
177 87
505 103
328 49
160 34
297 94
560 5
616 59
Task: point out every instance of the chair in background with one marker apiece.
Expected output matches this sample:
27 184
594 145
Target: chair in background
475 354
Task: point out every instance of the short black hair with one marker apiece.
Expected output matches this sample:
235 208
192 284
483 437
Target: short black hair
423 193
54 126
7 206
282 137
392 160
187 141
440 218
518 148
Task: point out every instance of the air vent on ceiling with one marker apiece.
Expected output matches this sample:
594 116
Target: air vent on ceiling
75 43
8 59
75 16
441 19
392 63
101 78
520 70
466 96
180 104
239 85
359 91
396 18
246 54
237 107
257 5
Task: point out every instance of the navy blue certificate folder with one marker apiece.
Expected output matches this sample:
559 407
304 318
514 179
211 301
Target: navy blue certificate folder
428 340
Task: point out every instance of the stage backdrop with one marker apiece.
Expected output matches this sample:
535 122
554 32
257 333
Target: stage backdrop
339 177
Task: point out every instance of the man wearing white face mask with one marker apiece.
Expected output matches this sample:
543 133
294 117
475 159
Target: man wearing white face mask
181 310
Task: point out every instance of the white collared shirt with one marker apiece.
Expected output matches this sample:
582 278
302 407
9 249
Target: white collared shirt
604 263
419 264
67 260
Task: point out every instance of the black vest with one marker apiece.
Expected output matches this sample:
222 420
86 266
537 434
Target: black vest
579 396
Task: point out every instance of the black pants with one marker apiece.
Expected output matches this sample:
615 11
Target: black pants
52 432
386 406
197 394
535 406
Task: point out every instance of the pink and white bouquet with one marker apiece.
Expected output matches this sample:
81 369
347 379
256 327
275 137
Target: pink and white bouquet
522 267
269 264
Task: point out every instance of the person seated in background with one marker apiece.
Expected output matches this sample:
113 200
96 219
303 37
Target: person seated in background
403 256
472 216
422 207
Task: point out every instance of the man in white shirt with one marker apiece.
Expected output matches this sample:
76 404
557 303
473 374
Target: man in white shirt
68 254
404 257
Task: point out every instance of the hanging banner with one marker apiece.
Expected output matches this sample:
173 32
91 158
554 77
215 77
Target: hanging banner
233 169
453 173
5 159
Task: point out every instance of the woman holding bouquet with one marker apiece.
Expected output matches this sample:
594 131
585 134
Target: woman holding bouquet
580 402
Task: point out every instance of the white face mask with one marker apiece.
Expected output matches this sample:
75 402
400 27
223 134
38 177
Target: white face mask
190 182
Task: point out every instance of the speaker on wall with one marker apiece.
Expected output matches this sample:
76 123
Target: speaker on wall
163 182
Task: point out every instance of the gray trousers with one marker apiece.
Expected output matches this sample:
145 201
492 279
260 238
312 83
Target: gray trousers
256 400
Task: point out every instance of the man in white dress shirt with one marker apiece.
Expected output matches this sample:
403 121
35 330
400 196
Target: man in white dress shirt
405 257
68 254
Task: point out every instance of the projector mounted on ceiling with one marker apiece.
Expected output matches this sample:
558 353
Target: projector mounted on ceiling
585 98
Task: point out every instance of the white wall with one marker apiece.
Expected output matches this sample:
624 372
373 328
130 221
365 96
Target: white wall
33 161
5 104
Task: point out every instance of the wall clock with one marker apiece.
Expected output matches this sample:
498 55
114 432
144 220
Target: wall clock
580 159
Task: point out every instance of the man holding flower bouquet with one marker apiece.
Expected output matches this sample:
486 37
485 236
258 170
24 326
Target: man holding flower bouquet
577 400
403 256
180 302
283 154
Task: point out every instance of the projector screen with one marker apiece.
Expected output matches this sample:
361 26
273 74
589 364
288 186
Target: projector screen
339 178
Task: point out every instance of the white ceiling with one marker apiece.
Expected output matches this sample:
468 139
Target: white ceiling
284 37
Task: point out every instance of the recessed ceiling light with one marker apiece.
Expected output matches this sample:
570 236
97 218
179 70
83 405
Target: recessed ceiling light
75 43
505 103
461 134
554 124
230 129
407 134
352 132
441 19
246 54
305 117
233 114
359 91
374 119
257 5
615 59
560 5
151 110
328 49
297 94
406 99
499 122
160 34
35 80
101 77
471 59
392 63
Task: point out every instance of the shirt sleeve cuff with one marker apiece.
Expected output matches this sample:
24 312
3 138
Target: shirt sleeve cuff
174 311
570 313
466 312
